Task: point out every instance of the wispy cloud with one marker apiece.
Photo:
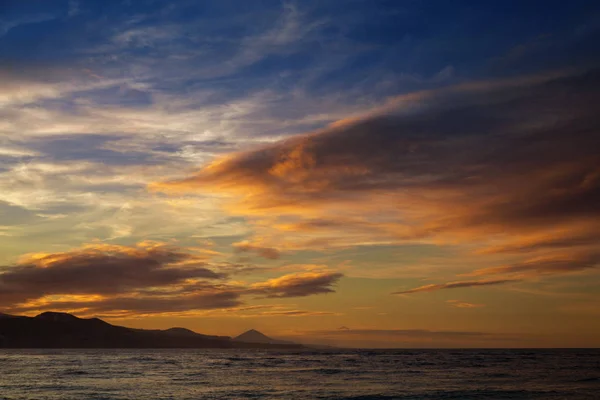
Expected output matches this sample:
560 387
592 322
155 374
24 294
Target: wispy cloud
463 304
456 285
296 313
546 265
265 252
7 25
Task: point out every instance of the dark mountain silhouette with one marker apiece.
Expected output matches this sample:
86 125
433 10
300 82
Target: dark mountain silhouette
254 336
62 330
188 333
182 332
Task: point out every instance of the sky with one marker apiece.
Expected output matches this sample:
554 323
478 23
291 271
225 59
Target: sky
363 173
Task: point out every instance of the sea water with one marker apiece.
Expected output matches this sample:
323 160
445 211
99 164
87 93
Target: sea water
260 374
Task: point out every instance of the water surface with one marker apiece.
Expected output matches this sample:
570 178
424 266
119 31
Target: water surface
259 374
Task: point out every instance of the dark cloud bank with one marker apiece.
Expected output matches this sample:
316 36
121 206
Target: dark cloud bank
145 279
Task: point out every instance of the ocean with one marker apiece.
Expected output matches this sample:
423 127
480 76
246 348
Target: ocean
259 374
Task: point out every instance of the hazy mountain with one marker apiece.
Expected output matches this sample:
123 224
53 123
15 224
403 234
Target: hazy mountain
62 330
254 336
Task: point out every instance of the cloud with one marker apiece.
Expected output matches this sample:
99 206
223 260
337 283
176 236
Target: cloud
265 311
578 236
296 313
545 265
56 120
136 305
30 84
265 252
145 98
298 285
148 278
435 154
7 25
100 269
456 285
480 165
463 304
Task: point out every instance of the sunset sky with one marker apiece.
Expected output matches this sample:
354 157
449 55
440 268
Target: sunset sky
353 172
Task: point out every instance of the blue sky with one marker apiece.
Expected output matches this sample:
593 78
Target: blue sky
282 139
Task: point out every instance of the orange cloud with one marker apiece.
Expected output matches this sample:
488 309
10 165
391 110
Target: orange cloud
456 285
545 265
296 313
298 285
267 310
581 235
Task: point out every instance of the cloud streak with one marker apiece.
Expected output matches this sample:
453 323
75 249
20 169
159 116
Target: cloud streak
463 304
545 265
456 285
298 285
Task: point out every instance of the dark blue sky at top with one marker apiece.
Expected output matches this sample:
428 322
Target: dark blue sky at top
410 43
295 59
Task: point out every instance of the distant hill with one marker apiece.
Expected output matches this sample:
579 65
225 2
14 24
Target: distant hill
62 330
183 332
254 336
188 333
